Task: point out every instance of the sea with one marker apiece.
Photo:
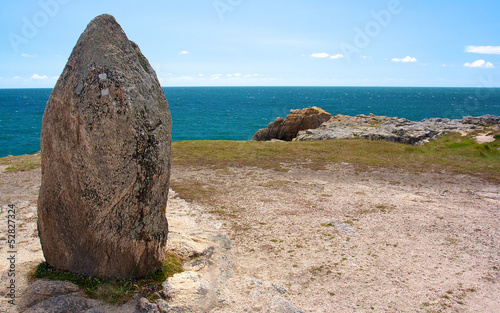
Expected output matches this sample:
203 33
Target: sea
236 113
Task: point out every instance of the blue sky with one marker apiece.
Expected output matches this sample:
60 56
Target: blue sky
267 42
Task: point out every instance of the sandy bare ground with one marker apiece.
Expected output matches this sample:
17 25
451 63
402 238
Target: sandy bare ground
338 240
376 241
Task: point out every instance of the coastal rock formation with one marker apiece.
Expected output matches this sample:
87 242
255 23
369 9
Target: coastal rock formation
286 129
394 129
105 146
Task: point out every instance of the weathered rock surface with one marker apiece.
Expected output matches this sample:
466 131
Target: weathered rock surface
105 147
203 284
44 296
75 302
297 120
395 129
43 289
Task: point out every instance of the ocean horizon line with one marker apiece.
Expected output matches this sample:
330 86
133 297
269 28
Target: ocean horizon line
289 86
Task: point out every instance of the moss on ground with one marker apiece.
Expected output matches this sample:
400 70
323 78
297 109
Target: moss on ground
114 291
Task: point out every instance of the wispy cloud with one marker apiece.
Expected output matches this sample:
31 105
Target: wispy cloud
337 56
407 59
324 55
184 52
480 64
483 49
25 55
320 55
38 77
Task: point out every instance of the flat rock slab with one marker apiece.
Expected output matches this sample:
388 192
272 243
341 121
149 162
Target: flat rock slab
395 129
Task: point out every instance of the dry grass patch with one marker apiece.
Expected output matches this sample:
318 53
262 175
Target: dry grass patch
194 190
452 153
21 163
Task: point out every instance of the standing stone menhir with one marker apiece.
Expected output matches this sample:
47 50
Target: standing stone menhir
106 135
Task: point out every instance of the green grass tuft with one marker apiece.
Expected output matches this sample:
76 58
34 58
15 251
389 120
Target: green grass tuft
114 291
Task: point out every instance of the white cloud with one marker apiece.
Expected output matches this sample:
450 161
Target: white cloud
25 55
184 52
320 55
407 59
38 77
337 56
215 76
479 64
483 49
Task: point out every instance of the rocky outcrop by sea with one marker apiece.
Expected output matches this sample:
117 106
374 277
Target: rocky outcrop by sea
287 129
372 127
395 129
105 146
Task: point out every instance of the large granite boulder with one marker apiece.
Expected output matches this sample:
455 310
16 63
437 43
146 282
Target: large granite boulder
287 129
105 146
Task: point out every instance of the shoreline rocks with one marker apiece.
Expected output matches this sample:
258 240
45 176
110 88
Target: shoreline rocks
316 124
105 146
395 129
287 129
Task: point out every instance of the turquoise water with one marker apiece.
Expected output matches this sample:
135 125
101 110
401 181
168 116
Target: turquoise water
236 113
